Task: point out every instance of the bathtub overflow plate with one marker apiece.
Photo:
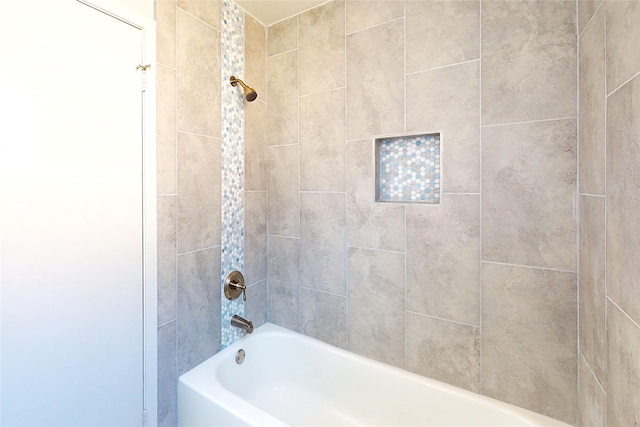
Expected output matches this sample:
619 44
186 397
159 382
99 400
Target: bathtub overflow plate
240 356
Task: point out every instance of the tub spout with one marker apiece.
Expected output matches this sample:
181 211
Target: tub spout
241 323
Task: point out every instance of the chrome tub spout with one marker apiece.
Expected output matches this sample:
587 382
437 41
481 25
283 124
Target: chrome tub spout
241 323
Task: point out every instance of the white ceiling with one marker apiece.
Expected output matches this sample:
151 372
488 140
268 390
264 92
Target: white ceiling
271 11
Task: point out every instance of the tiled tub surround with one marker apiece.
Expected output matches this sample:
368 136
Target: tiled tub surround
189 138
437 289
478 68
609 145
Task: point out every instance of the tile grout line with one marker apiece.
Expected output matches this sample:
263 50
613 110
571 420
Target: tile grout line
530 121
374 249
469 61
624 83
266 170
581 356
177 184
282 145
323 291
623 312
297 49
284 237
323 91
373 26
606 143
197 134
480 278
284 52
346 185
167 323
580 33
163 65
577 209
559 270
404 64
443 319
197 250
198 19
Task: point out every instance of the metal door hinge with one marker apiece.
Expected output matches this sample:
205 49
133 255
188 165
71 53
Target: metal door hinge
144 75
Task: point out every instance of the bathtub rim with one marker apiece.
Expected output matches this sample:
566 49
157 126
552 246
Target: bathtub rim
203 379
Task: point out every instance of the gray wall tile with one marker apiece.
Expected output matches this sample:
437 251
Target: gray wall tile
167 376
322 142
448 100
623 360
443 259
167 288
282 108
282 36
166 32
166 130
255 56
198 192
323 316
255 145
198 90
528 185
529 338
321 48
592 283
623 33
255 237
284 195
323 242
592 400
363 14
255 308
206 10
198 307
441 33
528 60
375 92
443 350
370 224
623 198
376 305
592 107
283 265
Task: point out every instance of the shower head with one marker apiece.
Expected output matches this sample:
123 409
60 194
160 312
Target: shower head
249 93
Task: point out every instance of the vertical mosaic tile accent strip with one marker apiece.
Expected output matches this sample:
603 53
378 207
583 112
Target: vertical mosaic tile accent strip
232 162
408 169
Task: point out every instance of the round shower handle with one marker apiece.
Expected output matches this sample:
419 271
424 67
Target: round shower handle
234 286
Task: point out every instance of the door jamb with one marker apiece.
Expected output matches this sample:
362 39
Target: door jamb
123 10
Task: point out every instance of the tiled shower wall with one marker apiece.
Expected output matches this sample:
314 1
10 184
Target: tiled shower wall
609 134
481 290
189 188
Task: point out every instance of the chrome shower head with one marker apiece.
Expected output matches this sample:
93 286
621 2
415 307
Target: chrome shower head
250 94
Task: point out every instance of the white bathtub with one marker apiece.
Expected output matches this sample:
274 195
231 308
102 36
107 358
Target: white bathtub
288 379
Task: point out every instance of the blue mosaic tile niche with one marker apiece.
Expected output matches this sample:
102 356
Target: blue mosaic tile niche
408 169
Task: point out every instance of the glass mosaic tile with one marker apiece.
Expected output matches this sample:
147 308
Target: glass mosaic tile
232 163
408 169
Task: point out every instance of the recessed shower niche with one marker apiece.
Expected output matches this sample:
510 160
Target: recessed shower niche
408 169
